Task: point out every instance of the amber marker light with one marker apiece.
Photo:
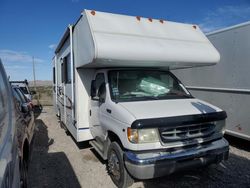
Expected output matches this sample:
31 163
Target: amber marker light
132 135
92 12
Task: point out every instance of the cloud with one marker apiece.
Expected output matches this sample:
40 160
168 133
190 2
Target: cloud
224 17
52 46
15 67
11 56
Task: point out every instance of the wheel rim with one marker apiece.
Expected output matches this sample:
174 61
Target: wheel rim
114 165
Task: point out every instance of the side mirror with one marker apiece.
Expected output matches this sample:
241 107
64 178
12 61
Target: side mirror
25 108
32 92
102 93
93 89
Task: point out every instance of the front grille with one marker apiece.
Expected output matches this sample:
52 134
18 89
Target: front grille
186 132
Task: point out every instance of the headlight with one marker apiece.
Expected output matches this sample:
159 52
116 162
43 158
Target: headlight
220 126
139 136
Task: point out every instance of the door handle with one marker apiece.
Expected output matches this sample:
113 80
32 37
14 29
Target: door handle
108 110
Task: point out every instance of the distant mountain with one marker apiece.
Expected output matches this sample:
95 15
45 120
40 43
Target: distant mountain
41 83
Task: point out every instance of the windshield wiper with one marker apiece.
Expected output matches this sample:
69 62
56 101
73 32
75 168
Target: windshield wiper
174 94
150 97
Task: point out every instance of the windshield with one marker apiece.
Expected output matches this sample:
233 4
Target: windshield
21 95
24 90
138 85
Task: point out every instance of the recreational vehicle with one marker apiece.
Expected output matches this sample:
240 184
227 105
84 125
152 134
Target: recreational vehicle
113 86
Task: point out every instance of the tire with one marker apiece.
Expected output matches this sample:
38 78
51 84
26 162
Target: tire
58 113
23 173
116 168
60 121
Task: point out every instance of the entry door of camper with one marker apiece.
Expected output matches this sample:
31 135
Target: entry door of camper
67 90
96 107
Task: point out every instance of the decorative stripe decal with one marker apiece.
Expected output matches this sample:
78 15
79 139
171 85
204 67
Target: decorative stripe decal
83 128
61 95
221 90
178 120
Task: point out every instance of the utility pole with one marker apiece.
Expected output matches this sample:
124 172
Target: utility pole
34 74
34 77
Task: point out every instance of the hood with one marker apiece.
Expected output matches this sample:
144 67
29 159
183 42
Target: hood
168 108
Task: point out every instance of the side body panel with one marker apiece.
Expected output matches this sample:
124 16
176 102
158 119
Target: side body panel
64 88
83 46
9 161
72 98
82 91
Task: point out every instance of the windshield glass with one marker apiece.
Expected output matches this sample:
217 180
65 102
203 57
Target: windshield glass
24 90
21 95
138 85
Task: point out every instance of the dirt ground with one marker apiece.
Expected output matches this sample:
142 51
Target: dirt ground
58 162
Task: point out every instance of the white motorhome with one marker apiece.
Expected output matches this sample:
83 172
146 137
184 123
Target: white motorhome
226 84
113 87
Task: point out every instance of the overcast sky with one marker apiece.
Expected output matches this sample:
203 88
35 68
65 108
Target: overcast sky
33 28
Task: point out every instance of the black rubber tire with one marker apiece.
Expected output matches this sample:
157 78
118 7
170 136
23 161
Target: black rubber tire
60 121
58 114
23 168
125 179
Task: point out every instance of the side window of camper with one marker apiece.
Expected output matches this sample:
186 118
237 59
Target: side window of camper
66 69
54 75
62 71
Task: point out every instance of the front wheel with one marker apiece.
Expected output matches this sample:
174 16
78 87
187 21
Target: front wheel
116 168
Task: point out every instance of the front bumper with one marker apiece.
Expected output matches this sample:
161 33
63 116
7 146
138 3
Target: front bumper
159 163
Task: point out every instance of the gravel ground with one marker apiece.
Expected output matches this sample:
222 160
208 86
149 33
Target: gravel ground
57 161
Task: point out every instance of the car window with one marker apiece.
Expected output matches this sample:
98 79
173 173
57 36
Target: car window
24 90
22 96
141 84
17 97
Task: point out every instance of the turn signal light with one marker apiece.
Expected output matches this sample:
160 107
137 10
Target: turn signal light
132 135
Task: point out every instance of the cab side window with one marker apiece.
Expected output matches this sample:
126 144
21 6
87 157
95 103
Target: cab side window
99 80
